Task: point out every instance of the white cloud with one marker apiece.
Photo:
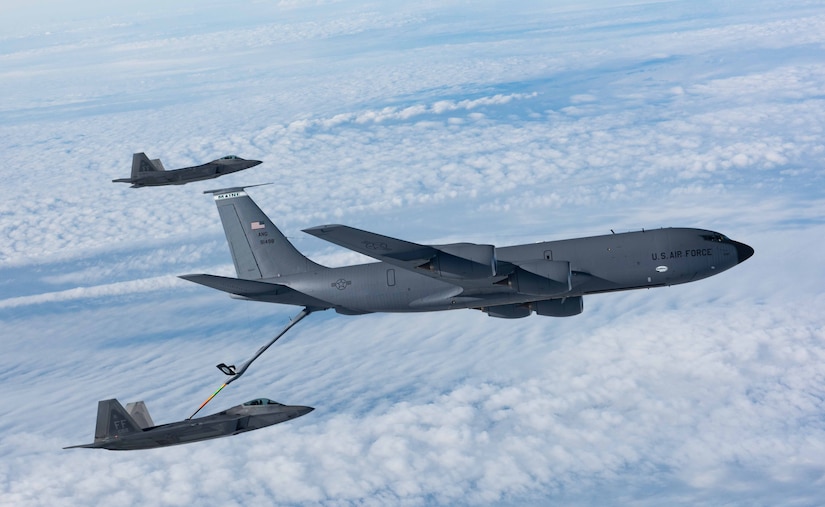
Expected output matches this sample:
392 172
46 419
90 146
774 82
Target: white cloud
606 406
509 126
99 291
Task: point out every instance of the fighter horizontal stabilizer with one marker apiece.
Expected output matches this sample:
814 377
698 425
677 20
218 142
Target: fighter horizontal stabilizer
452 261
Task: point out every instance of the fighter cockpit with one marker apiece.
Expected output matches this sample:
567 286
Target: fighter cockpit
231 157
262 401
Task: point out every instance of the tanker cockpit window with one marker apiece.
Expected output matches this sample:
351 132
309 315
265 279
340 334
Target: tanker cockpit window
718 238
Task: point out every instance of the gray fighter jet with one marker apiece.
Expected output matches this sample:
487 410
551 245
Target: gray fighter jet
151 173
548 278
125 430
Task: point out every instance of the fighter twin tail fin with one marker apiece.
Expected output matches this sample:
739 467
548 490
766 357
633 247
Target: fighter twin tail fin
141 165
114 421
140 414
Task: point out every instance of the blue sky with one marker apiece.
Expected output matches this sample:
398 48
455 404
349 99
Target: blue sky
433 122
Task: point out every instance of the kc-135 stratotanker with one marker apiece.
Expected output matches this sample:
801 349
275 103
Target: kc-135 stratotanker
549 278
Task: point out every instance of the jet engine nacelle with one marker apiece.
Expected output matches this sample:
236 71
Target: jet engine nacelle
464 260
516 311
542 278
566 307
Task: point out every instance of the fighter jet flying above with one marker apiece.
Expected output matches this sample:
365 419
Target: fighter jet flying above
151 173
125 430
548 278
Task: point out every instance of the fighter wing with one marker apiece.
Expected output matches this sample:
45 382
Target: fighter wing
457 261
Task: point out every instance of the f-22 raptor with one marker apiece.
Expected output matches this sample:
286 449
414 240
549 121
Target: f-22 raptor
549 278
151 173
120 429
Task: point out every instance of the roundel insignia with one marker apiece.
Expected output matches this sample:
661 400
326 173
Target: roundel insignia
341 284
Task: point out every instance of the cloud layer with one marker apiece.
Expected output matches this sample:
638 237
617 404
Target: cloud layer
431 124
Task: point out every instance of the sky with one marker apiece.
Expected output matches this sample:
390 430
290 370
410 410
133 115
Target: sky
434 122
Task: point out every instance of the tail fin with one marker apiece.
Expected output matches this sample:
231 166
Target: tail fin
142 164
259 249
113 420
140 414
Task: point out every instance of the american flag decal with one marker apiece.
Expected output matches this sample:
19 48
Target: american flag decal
257 225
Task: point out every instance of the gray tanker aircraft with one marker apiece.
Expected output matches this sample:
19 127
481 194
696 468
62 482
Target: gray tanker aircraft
548 278
125 430
151 173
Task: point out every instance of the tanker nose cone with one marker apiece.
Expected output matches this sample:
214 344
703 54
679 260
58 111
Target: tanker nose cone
743 251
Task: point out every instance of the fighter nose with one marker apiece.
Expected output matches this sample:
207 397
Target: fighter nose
304 410
743 251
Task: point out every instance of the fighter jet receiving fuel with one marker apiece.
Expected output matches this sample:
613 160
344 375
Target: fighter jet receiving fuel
151 173
548 278
125 430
